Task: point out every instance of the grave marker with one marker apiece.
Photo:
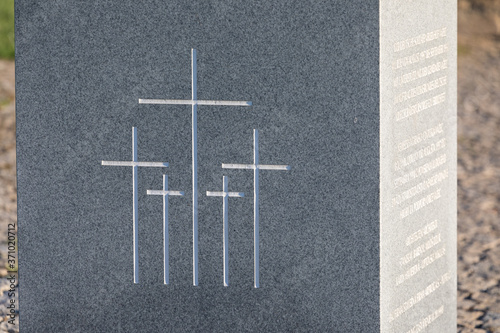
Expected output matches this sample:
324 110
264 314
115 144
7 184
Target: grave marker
357 97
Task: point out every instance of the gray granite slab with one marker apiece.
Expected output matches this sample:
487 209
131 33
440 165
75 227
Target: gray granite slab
322 83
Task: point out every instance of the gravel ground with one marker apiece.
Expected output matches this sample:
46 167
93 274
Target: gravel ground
8 202
478 169
478 166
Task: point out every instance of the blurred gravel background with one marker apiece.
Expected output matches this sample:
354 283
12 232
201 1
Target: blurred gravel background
8 190
478 168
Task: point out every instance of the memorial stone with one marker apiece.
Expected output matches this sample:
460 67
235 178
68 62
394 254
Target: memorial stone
335 122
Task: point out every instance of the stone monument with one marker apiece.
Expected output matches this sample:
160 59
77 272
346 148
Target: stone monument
335 122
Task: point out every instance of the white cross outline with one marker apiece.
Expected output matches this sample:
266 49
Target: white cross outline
165 193
256 167
225 194
135 164
194 102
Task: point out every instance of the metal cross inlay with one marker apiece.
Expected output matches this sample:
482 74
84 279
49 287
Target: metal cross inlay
194 102
256 167
135 164
225 194
165 193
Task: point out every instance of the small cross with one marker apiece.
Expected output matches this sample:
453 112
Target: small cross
194 102
256 167
165 193
225 229
135 164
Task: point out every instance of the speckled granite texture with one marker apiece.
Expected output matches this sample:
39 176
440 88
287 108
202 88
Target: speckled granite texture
311 70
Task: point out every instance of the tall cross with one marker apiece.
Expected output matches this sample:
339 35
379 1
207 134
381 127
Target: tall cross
256 167
165 193
194 102
135 164
225 222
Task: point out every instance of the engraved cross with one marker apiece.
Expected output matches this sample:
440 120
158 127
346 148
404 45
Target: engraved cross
225 222
135 164
256 167
165 193
194 102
